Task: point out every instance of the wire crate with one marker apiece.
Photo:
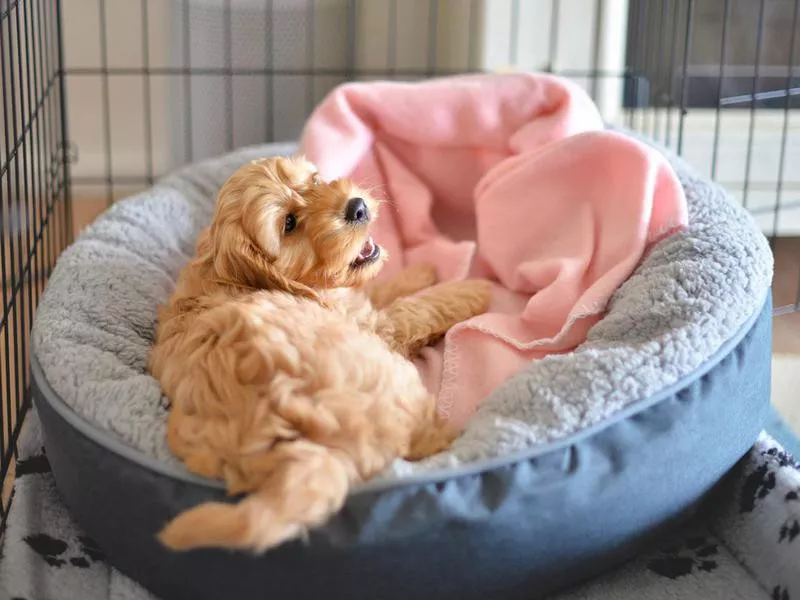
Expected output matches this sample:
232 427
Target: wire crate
35 208
102 97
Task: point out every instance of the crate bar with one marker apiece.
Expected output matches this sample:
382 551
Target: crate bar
433 34
269 50
42 140
27 179
751 127
106 103
5 436
723 59
391 40
659 72
310 33
187 83
687 46
13 220
146 95
672 60
228 32
785 126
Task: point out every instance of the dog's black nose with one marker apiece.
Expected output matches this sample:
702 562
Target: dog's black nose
356 211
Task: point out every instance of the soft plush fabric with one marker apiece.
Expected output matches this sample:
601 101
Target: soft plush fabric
674 380
509 177
530 520
765 514
748 551
693 291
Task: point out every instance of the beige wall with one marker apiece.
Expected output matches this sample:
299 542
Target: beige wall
469 35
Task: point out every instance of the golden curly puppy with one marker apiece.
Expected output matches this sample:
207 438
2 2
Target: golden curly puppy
284 379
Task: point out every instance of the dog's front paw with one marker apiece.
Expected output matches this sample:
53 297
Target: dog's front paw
470 297
419 276
432 440
408 282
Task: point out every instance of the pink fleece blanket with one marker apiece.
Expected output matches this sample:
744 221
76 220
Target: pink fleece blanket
508 177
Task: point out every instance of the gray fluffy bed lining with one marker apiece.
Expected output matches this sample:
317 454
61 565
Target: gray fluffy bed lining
693 292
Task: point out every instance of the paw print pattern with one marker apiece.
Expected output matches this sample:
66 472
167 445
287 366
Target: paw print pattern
780 593
789 531
759 483
49 548
782 458
55 552
34 465
756 486
90 549
697 554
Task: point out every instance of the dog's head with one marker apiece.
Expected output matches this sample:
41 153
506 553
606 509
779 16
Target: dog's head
278 225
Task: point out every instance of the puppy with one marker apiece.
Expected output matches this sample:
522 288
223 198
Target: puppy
286 378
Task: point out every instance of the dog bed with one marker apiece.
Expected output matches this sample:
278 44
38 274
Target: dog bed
568 468
746 546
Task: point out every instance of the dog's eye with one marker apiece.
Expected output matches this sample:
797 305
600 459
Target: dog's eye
290 223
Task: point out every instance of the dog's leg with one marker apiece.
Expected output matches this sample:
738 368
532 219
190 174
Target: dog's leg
417 321
198 456
409 281
306 484
433 437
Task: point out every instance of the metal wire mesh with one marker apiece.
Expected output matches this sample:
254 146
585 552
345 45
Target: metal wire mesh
155 84
34 192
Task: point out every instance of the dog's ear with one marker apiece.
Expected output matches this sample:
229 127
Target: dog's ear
277 281
245 236
239 260
248 212
263 220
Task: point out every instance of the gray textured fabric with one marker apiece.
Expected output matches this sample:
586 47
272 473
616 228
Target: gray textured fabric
763 524
45 554
691 293
739 554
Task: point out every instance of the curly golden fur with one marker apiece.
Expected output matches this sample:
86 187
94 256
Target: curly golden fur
288 375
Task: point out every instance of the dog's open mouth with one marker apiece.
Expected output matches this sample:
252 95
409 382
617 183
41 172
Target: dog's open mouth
370 251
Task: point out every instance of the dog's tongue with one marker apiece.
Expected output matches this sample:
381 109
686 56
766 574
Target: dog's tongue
367 249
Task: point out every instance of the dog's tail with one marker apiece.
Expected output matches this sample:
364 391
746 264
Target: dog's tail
307 486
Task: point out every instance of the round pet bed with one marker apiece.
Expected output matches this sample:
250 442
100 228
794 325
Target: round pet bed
567 469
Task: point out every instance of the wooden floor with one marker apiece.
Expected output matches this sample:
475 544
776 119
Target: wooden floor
85 210
785 290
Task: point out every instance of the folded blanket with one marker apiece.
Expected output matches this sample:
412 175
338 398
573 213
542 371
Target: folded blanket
508 177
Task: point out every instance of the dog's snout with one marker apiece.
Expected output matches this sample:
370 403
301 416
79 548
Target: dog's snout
356 211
